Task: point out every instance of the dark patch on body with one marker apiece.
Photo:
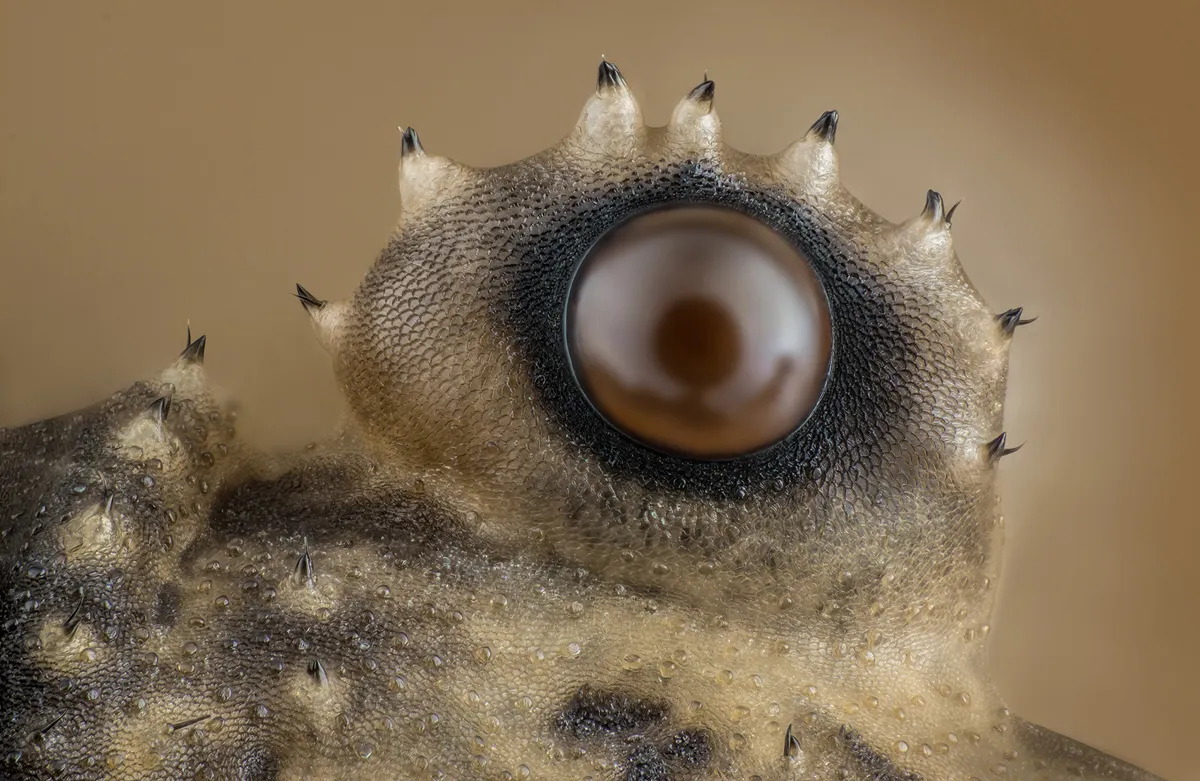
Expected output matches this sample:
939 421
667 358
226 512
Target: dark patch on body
646 763
635 728
691 747
681 756
303 501
259 764
593 713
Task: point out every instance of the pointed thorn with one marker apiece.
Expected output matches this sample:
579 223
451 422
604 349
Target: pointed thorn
1010 319
189 329
703 94
194 352
996 449
825 128
305 573
609 77
410 143
791 744
188 723
72 622
307 299
41 733
317 671
950 214
160 408
935 209
108 503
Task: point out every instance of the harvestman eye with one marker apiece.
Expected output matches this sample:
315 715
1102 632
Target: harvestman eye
699 331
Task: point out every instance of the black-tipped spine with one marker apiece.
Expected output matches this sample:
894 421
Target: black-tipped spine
935 208
410 143
72 622
40 734
609 77
194 352
950 213
185 724
160 408
1011 319
996 449
825 128
305 573
317 670
703 93
310 302
791 744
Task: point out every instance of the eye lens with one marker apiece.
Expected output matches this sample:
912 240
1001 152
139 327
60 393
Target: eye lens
700 331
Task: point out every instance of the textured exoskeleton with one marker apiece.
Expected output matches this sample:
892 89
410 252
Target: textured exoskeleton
482 577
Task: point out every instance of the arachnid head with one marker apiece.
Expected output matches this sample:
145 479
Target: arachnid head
666 462
653 353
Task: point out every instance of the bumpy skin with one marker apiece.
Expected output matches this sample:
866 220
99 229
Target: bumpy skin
480 579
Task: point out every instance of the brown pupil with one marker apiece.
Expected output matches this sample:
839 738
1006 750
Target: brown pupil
699 330
697 342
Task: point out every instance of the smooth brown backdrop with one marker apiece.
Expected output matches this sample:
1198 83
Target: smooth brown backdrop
162 162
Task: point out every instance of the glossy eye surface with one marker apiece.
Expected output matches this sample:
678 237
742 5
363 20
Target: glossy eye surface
699 331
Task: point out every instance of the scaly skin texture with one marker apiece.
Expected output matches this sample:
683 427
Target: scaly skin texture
480 578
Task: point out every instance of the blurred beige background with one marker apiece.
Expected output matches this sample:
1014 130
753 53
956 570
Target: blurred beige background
162 162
